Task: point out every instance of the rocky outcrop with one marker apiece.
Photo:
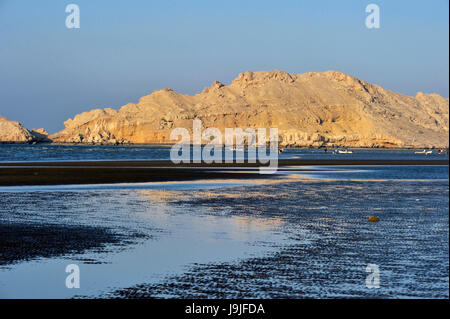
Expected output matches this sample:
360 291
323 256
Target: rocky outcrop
311 109
40 135
14 132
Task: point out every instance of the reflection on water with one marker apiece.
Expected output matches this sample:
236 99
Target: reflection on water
180 236
378 172
288 238
332 243
127 186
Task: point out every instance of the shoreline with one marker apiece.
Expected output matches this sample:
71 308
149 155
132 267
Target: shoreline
106 172
394 148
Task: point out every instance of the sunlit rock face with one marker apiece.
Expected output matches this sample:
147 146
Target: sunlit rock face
14 132
312 109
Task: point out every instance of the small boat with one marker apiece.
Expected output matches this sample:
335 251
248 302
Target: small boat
345 152
423 152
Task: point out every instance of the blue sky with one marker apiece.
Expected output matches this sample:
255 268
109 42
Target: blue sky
127 49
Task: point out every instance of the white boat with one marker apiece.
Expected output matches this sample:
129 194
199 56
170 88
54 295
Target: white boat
423 152
236 148
345 152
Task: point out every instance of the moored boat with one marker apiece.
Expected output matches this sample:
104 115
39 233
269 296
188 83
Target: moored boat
345 152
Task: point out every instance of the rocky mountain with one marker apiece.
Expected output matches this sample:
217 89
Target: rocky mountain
40 135
310 109
14 132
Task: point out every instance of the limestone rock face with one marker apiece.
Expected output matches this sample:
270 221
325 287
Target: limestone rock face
40 135
14 132
310 109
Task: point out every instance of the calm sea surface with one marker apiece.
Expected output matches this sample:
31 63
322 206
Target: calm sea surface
52 152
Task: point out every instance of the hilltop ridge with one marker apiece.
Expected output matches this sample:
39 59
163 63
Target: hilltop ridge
311 109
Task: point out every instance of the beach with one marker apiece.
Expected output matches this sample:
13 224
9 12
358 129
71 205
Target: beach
100 172
154 229
224 158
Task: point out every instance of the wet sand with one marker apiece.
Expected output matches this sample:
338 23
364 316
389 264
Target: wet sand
100 172
327 240
332 243
28 241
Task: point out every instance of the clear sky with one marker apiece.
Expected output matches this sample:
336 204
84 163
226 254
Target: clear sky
127 49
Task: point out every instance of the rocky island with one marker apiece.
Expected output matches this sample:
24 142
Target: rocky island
313 109
14 132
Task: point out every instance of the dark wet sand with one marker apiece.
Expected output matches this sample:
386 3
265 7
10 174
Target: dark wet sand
27 241
99 172
410 242
329 257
